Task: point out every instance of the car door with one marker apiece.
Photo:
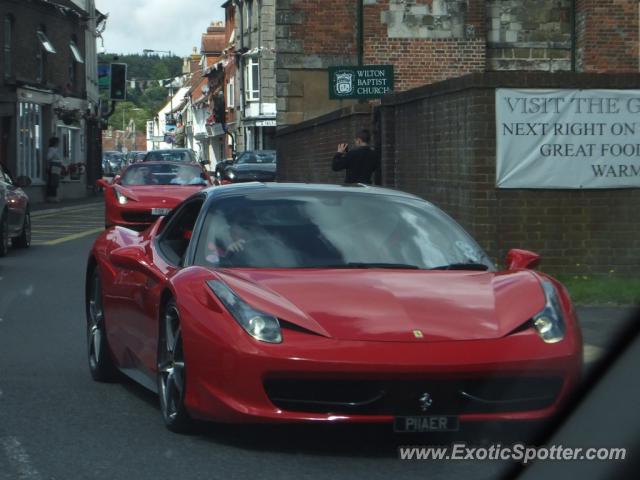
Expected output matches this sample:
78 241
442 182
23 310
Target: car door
166 253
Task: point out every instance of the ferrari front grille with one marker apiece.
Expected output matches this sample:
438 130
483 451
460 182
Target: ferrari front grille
401 397
138 217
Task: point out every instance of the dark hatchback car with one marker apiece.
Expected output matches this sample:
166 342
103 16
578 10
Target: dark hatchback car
252 166
171 155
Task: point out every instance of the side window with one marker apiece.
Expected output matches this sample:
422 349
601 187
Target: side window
174 241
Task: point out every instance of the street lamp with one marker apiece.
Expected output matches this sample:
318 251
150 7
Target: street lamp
171 85
124 109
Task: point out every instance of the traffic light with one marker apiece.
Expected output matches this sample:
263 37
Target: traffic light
118 89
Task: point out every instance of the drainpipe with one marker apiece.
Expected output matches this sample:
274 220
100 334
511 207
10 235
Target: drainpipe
240 64
574 39
360 28
259 5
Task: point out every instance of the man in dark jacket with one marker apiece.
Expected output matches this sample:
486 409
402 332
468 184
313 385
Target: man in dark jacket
360 162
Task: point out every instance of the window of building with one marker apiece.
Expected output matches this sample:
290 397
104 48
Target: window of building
75 51
249 18
230 94
7 54
76 58
30 142
252 80
41 58
69 144
45 42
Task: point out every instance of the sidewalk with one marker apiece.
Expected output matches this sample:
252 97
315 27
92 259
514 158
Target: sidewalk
42 208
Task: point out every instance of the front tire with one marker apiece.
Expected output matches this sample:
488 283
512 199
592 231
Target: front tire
24 240
4 233
172 372
101 364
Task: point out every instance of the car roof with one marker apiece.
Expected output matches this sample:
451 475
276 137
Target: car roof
169 150
241 189
158 162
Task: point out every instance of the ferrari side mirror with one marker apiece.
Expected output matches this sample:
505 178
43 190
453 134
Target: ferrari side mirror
134 258
518 258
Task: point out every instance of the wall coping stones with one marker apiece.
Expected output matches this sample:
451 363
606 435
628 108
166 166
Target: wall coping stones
516 79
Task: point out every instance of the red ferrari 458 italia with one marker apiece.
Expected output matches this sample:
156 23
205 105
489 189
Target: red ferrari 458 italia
148 190
314 303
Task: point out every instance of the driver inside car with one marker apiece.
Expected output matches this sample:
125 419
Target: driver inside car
224 248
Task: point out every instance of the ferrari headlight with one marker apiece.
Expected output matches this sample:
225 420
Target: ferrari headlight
231 175
122 199
259 325
549 322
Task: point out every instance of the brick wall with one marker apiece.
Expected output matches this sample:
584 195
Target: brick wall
438 142
607 35
324 27
28 17
306 150
114 140
426 41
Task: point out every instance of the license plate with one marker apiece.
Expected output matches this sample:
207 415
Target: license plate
432 423
160 211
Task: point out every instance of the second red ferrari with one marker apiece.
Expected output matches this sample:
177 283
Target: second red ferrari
146 191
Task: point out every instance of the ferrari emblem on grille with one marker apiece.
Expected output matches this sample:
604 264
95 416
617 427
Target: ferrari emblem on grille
418 334
425 401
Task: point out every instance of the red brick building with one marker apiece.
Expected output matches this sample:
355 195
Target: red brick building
433 40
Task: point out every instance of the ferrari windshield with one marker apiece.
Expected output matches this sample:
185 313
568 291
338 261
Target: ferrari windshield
334 230
170 156
162 174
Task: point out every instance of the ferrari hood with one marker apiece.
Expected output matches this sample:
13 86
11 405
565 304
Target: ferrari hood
159 195
392 305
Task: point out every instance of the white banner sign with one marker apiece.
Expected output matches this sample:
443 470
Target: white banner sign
567 138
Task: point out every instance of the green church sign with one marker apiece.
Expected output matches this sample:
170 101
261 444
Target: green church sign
368 81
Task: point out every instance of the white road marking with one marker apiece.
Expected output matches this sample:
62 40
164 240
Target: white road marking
19 459
592 354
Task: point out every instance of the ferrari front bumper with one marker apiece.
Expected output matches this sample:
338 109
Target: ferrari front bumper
310 378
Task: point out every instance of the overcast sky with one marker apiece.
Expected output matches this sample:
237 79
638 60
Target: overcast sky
175 25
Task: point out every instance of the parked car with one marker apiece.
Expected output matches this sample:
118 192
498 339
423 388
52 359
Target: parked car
112 163
269 302
148 190
135 156
171 155
220 167
251 166
15 217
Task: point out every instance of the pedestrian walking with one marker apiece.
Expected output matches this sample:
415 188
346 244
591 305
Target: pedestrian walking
359 163
54 162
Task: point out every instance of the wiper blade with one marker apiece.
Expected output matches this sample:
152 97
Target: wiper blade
369 265
462 266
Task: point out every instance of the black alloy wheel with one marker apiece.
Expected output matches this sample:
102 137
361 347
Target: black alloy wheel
101 364
4 234
24 239
172 372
